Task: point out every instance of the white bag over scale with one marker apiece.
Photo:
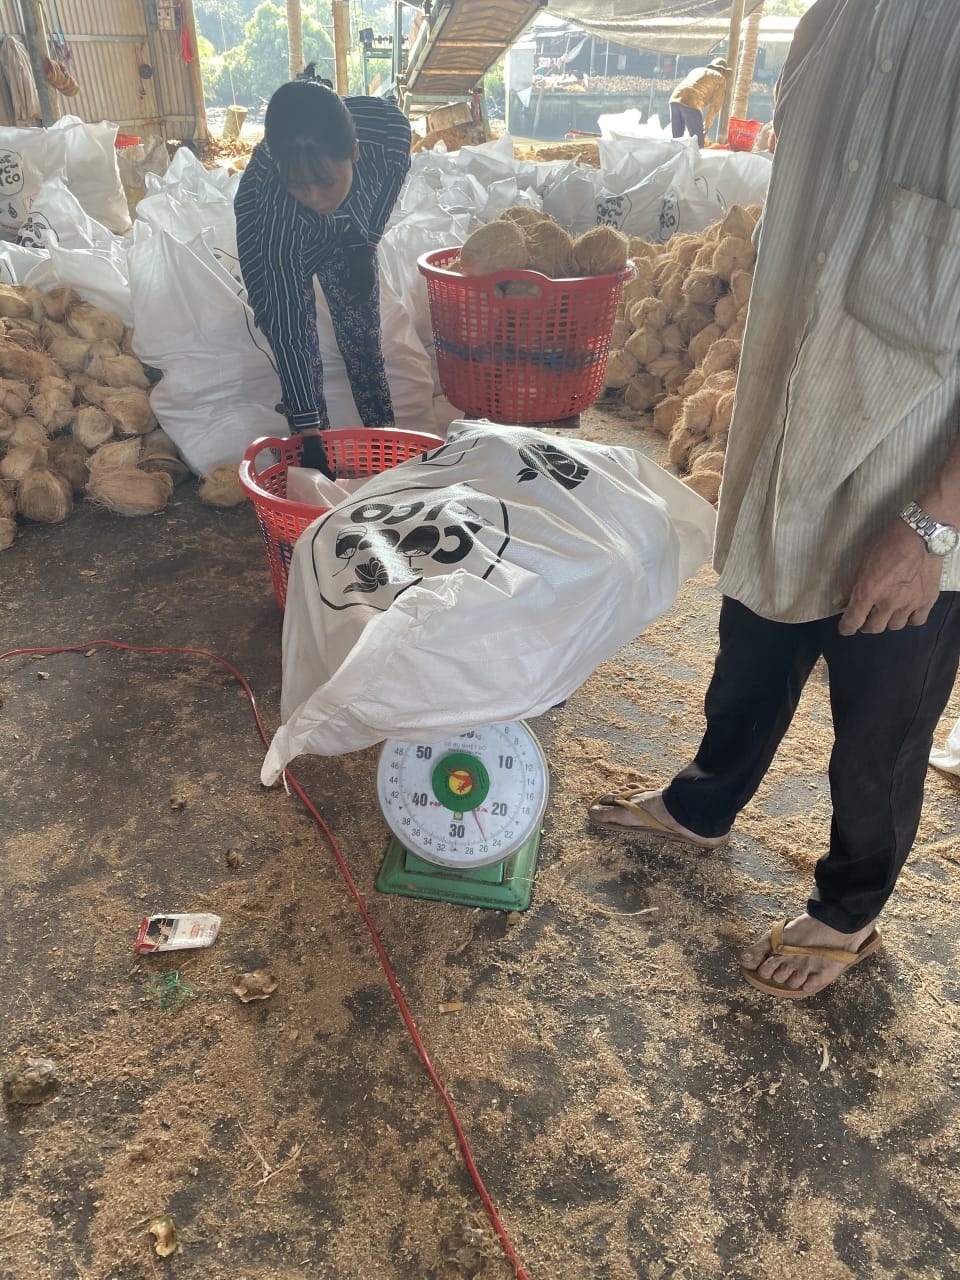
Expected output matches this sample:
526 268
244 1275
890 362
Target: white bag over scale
482 582
92 171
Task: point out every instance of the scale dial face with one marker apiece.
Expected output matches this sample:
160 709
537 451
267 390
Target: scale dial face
468 801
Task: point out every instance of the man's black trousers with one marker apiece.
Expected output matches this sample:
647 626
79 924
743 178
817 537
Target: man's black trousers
887 693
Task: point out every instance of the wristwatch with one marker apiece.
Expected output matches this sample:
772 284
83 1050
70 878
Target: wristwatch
941 539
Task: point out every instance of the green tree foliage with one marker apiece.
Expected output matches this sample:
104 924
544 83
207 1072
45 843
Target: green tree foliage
249 72
786 8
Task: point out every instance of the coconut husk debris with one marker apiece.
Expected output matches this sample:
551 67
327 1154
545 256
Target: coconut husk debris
75 415
675 347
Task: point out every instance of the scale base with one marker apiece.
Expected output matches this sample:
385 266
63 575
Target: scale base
503 886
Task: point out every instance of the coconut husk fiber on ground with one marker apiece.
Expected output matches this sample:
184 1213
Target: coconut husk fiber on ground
636 1111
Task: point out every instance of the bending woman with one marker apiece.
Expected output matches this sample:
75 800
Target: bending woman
313 202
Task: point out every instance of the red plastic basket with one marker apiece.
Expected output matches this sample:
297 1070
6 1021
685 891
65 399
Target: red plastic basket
126 140
742 134
353 452
532 358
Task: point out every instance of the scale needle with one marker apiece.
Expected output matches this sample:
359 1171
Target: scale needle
477 821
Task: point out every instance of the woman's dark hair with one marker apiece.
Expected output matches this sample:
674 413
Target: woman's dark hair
306 127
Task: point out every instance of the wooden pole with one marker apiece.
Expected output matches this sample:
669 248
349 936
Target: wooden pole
341 42
733 56
747 65
295 38
36 39
201 133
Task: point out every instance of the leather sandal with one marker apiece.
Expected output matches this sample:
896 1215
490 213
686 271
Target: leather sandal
646 823
778 947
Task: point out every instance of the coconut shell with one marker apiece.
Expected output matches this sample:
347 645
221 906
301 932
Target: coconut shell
603 251
25 366
55 302
14 396
92 427
724 354
221 487
706 483
68 458
28 430
621 367
550 251
701 342
130 492
90 322
8 532
8 499
497 246
644 346
69 352
44 496
22 458
53 410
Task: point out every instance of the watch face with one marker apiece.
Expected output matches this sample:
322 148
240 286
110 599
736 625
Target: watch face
944 541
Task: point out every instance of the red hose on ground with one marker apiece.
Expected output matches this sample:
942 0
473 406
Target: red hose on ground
46 650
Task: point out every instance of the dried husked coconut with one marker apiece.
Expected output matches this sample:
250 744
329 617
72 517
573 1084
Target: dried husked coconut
8 532
692 383
115 455
642 249
55 302
175 468
157 444
683 249
644 345
672 337
130 492
497 246
648 313
45 496
68 458
673 379
642 282
642 392
14 396
119 371
735 330
666 413
671 294
22 458
706 483
69 352
524 216
550 251
741 282
622 329
130 409
738 222
90 322
621 367
6 426
92 427
682 440
701 342
706 456
25 366
732 255
8 499
53 410
25 333
725 311
702 287
126 345
692 317
85 389
18 302
220 487
668 363
724 354
27 430
698 411
603 251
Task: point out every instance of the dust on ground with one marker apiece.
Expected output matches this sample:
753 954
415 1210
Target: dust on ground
634 1109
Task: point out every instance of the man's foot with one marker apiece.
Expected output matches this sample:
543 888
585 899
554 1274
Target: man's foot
644 812
800 957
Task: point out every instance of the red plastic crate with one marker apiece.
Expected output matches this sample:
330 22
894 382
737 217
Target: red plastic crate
352 451
527 355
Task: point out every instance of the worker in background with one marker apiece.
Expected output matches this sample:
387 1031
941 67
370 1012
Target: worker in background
698 98
312 204
838 534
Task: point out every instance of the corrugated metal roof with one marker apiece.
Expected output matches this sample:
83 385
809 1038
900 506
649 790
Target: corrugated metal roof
461 40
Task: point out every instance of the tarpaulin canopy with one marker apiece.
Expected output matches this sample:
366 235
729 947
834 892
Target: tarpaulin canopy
663 26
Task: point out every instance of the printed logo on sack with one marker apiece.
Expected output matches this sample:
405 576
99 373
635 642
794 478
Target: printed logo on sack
36 232
11 174
384 546
612 210
548 460
669 215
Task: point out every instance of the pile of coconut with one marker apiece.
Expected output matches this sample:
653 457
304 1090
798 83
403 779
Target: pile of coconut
75 416
524 239
676 344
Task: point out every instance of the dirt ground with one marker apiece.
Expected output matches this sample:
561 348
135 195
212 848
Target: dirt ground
634 1108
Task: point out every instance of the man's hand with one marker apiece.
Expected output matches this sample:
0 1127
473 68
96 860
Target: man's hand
896 585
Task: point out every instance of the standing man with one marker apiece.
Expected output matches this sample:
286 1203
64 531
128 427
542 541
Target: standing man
313 202
698 98
838 526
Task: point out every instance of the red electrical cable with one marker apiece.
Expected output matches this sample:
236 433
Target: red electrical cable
518 1269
